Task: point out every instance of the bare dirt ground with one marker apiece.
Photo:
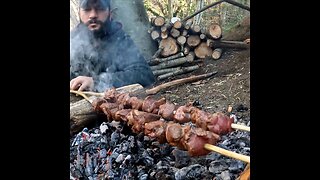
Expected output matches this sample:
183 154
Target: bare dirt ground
229 87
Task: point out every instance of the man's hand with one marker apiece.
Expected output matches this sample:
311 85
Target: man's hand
81 83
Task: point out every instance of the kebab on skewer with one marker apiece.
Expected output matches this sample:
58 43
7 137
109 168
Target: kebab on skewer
218 122
186 137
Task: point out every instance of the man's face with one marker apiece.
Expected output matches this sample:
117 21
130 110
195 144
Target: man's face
94 16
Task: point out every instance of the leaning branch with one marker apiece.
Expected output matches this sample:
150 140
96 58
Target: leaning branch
156 89
216 3
201 10
238 4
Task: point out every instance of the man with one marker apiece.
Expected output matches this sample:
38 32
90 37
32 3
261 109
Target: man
102 55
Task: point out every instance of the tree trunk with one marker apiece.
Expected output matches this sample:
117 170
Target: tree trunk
133 16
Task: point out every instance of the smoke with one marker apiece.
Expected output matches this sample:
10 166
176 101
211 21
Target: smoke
85 57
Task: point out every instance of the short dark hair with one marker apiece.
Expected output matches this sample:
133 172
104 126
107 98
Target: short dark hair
104 4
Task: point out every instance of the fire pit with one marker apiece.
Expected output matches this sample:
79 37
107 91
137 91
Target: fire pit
113 151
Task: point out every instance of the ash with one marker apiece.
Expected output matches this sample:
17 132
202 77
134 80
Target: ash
112 151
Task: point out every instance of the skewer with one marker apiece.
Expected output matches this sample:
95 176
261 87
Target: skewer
123 89
227 153
240 127
87 93
81 93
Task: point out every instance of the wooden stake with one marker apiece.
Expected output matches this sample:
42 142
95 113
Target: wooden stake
240 127
227 153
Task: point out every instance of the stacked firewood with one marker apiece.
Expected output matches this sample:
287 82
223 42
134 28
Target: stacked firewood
182 45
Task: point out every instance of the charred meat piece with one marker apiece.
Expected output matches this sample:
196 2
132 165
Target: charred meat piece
134 103
151 105
137 119
156 129
182 114
109 109
111 95
174 135
196 138
200 118
97 103
220 123
122 99
166 110
121 115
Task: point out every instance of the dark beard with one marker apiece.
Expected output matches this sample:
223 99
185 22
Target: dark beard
98 33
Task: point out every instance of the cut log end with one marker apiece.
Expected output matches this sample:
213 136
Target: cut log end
214 31
216 54
159 21
170 46
203 51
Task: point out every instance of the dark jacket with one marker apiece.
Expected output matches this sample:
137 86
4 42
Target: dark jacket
112 61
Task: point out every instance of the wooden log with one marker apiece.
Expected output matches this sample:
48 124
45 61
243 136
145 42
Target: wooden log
193 40
210 43
160 87
181 70
181 40
214 31
187 24
159 21
177 24
155 61
164 71
175 33
82 113
203 51
216 54
171 63
165 27
169 45
191 56
202 36
231 44
155 34
184 32
157 53
196 29
164 35
186 50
